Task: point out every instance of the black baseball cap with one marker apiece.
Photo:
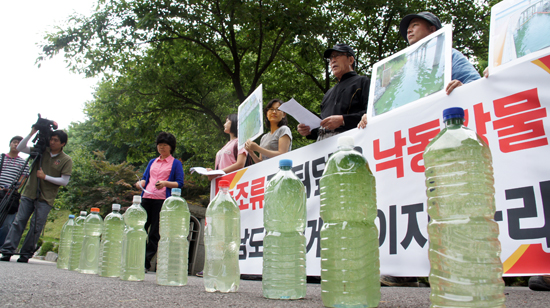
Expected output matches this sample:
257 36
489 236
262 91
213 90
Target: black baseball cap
340 48
427 16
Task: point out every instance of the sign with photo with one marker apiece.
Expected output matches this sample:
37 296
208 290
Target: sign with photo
519 32
415 72
251 119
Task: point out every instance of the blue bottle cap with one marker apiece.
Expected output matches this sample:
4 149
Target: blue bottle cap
71 216
453 113
285 163
176 191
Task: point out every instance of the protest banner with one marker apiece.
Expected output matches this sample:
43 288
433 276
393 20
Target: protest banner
509 110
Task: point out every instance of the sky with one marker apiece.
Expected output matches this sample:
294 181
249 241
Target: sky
26 90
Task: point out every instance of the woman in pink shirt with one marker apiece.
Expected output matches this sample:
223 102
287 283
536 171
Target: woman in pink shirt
162 174
230 158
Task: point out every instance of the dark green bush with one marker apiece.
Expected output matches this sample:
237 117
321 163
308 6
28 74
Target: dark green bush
48 246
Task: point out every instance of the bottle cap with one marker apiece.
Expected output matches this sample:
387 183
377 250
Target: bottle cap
95 210
137 199
116 207
176 191
71 216
346 141
83 213
453 113
224 183
285 163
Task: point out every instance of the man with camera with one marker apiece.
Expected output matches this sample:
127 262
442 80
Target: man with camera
52 171
13 169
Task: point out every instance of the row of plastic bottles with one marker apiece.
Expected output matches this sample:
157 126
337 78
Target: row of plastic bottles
110 248
464 250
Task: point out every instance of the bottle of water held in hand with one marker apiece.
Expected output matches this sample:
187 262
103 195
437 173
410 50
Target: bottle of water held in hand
173 248
222 241
76 243
65 243
89 256
350 264
133 242
464 251
284 261
111 244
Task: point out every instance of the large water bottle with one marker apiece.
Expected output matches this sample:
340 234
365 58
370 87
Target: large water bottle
173 248
111 244
76 243
464 252
89 256
133 243
65 243
350 264
284 261
222 241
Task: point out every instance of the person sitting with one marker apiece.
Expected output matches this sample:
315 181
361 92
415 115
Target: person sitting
278 141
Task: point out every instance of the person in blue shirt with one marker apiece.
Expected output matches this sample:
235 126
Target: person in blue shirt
415 27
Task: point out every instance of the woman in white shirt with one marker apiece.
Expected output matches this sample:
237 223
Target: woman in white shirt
278 141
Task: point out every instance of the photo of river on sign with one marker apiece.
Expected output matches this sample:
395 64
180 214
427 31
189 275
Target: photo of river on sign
518 28
414 73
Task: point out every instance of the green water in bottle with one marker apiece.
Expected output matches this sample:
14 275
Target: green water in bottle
173 248
284 257
464 252
89 256
76 243
222 241
65 240
350 263
133 242
111 244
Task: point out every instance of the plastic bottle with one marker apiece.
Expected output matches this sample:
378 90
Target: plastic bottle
111 244
350 264
65 240
464 252
173 248
76 243
222 241
133 243
89 256
284 258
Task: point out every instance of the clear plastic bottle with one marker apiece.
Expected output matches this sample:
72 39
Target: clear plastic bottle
89 256
173 248
111 244
65 240
284 258
76 243
464 252
350 264
222 241
133 243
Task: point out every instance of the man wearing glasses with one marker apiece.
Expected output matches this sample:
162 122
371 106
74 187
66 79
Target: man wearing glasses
345 103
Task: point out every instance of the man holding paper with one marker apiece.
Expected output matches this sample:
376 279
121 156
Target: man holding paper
345 103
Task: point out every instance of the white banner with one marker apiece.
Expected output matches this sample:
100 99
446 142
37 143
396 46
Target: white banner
509 109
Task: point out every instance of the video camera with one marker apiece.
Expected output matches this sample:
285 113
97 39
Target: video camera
45 128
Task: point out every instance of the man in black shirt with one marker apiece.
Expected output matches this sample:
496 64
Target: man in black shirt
345 103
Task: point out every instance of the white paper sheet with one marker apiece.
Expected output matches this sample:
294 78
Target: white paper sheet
301 114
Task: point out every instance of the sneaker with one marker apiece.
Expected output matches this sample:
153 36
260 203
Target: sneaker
23 259
539 283
199 274
5 258
399 281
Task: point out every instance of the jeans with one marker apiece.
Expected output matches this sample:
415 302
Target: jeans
27 207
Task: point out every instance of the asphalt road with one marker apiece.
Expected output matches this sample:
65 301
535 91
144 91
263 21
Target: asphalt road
41 284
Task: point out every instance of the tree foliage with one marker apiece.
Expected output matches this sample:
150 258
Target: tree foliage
182 66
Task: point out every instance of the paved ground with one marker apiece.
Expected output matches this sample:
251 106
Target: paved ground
41 284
